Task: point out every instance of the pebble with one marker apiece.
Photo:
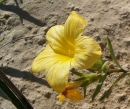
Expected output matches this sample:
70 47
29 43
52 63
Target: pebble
122 97
1 30
126 40
34 31
124 13
43 31
6 16
106 1
10 20
48 95
42 41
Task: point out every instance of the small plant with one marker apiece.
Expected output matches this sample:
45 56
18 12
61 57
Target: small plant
68 51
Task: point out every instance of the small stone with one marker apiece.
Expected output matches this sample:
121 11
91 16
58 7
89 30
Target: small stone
76 9
48 95
6 16
103 107
107 27
29 27
1 30
122 97
42 41
124 13
34 31
127 40
1 57
92 19
42 31
106 1
11 20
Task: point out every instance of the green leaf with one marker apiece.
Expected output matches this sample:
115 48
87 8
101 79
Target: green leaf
99 86
112 52
108 92
80 79
105 67
86 83
97 65
90 78
13 93
75 72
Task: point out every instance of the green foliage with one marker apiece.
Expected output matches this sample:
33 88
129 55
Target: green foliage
90 78
87 78
99 86
97 65
105 67
112 52
14 95
108 92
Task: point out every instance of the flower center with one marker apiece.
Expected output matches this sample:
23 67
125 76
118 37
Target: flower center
71 53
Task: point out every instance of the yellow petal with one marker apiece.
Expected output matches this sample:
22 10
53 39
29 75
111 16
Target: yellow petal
61 97
74 26
43 59
74 95
46 59
58 41
57 75
55 37
87 52
56 67
71 92
74 85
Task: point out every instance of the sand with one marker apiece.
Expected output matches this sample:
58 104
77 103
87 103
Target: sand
22 33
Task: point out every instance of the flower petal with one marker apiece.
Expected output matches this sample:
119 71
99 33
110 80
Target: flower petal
74 26
61 97
46 59
74 85
43 59
57 40
56 67
87 52
57 76
74 95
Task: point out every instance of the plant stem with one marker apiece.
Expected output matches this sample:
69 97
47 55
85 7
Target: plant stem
17 98
115 70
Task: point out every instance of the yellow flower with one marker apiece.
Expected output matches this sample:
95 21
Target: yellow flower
66 49
71 92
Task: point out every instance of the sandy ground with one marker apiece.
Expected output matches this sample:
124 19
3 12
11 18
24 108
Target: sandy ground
22 33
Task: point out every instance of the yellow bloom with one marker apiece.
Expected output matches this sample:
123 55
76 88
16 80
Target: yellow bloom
71 92
66 49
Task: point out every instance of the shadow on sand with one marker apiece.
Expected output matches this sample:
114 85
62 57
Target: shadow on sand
22 14
28 76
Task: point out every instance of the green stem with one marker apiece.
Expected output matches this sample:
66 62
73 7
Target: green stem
115 70
16 97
